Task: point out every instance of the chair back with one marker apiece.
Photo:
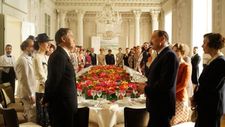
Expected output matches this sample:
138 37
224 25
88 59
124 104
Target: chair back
82 117
8 94
10 117
136 117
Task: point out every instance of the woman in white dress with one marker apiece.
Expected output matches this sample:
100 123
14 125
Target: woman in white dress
41 61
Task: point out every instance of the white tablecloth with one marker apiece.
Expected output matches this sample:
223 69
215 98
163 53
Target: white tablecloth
108 114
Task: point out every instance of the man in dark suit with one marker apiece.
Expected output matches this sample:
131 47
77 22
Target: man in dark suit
109 58
161 85
93 57
60 92
195 60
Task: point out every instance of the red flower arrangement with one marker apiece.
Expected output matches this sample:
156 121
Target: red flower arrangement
107 79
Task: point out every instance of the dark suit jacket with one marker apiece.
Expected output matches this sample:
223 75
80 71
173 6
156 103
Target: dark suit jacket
195 60
110 59
93 59
210 95
161 84
60 90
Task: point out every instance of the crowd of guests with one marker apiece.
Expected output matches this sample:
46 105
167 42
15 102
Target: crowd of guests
171 74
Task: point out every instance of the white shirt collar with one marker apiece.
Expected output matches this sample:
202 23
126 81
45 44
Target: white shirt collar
162 49
216 56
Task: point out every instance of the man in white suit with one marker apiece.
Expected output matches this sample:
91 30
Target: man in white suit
26 79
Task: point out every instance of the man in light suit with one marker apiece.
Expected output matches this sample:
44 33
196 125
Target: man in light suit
60 90
161 85
26 79
7 63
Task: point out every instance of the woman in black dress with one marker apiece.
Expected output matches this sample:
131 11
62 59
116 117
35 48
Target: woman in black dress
209 98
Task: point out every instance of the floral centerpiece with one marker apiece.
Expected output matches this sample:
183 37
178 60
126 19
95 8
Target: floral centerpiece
109 80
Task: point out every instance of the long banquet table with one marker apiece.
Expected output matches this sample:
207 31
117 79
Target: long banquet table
108 114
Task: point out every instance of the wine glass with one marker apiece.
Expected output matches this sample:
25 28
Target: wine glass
135 93
123 93
117 94
99 93
93 94
79 92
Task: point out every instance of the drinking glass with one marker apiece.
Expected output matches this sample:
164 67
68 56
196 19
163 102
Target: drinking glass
123 93
93 93
117 94
99 93
135 93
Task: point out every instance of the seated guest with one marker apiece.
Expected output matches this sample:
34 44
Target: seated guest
101 57
183 78
109 58
209 98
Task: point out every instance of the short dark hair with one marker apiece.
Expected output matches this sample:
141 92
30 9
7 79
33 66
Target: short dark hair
109 50
195 47
8 45
60 33
216 40
25 44
31 37
162 33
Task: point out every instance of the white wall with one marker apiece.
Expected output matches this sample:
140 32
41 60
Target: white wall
37 9
182 21
13 34
126 32
167 20
219 17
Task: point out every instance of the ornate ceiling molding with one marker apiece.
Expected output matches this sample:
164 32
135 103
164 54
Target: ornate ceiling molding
119 5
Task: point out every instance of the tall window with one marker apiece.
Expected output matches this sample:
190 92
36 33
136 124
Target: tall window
47 24
201 22
168 24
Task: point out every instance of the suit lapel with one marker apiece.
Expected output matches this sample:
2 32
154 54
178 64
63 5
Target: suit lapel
64 53
155 61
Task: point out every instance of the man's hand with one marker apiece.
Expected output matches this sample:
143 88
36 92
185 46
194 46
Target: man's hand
32 99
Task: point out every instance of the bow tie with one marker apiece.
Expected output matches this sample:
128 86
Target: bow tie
9 56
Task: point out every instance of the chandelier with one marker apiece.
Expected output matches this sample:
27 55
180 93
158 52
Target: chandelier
108 15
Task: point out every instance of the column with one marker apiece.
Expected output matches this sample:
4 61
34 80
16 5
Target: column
80 32
62 16
155 22
137 14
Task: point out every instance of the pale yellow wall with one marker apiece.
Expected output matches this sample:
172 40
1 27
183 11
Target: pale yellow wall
219 17
13 34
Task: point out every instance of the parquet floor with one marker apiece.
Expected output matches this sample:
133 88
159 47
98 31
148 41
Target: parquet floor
223 121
